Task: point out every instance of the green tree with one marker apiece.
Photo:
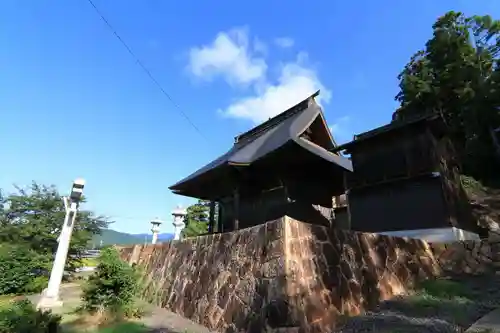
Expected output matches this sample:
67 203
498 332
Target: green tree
33 218
457 75
196 219
18 270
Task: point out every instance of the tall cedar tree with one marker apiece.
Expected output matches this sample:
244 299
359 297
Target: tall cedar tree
457 75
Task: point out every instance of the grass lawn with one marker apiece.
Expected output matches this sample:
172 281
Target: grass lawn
441 288
446 299
5 300
435 291
452 308
124 327
75 321
90 262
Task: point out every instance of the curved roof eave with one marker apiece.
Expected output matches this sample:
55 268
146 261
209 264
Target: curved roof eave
341 161
249 149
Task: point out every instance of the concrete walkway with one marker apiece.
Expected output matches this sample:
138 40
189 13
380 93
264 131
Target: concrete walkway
487 324
160 320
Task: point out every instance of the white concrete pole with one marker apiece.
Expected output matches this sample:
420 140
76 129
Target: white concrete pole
50 298
154 238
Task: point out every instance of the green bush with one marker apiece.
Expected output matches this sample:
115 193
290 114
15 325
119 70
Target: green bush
113 287
22 317
36 284
20 270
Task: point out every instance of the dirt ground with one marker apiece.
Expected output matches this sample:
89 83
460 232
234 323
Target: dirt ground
157 320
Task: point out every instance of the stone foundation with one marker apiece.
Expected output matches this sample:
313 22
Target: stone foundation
471 257
436 235
284 275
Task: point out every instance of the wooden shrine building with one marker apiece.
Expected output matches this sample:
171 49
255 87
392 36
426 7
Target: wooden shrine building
284 166
406 177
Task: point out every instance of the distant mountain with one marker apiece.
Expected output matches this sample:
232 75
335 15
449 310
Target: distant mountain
161 237
111 237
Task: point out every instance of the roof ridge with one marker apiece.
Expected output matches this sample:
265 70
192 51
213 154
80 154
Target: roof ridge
274 121
382 130
395 125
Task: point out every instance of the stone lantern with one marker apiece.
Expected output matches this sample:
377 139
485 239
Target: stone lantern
155 229
178 213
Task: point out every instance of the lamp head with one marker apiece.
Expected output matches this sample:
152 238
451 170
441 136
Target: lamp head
179 211
156 222
77 190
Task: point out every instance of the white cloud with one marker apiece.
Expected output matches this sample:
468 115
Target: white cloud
229 56
294 84
341 129
284 42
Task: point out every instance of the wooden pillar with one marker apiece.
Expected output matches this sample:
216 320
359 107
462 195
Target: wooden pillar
211 218
236 211
220 212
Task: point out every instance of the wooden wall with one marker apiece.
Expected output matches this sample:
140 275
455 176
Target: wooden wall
399 157
305 201
409 182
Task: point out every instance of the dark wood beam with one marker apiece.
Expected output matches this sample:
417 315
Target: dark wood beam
220 227
211 218
348 206
236 202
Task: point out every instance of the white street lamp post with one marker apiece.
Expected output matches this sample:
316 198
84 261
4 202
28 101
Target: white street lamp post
179 213
155 229
50 296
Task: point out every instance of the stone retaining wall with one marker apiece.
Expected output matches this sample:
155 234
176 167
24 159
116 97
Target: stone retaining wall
292 276
331 272
284 275
471 257
222 281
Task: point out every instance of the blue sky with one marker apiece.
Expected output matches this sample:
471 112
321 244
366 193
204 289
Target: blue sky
74 103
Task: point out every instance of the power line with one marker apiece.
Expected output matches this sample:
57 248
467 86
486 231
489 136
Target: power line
147 71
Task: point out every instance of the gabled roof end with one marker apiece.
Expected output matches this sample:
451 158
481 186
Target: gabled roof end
278 118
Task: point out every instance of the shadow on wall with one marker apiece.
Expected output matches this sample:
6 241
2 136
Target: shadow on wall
332 272
284 273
